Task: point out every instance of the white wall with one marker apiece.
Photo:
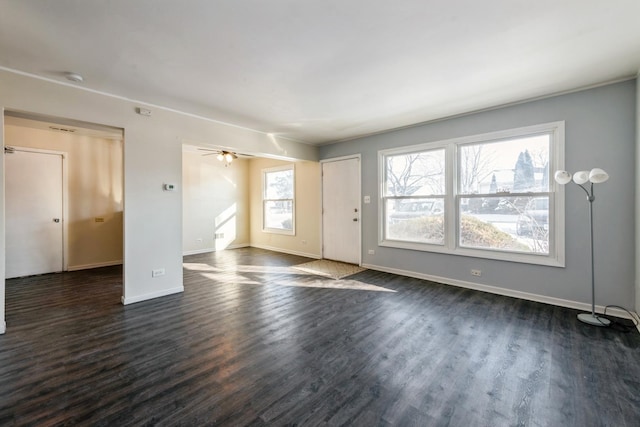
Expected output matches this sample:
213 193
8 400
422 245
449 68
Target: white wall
307 240
215 201
152 156
600 125
95 191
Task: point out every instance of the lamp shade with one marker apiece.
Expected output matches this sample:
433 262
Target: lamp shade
562 177
598 176
581 177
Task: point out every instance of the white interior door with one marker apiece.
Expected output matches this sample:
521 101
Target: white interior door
34 208
341 210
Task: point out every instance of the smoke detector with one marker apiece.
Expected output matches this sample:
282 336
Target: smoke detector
74 77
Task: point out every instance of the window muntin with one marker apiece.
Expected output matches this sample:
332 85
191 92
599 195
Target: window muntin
495 195
278 200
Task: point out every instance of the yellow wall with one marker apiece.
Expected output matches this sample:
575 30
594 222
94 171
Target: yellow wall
95 190
215 199
307 240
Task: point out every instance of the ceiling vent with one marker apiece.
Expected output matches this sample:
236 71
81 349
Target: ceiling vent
62 129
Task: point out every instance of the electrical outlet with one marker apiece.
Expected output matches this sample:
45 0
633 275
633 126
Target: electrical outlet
157 272
304 242
477 273
371 252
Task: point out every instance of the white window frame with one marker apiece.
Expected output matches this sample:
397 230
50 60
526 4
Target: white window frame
266 229
556 256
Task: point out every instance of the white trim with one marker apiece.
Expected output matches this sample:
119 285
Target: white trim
264 172
484 110
152 295
556 256
358 157
198 251
503 291
148 104
286 251
338 159
209 250
3 328
65 195
94 265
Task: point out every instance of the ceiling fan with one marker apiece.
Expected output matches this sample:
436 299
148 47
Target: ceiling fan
223 155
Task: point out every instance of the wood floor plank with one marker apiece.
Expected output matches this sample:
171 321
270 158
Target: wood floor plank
254 342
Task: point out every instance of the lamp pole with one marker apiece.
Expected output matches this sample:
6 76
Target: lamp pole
595 176
593 318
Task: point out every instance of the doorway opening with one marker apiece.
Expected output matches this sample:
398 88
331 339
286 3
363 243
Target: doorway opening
63 181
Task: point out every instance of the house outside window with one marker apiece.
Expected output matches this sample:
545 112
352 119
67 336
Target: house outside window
488 196
278 200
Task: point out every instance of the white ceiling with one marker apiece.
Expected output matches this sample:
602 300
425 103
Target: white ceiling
324 70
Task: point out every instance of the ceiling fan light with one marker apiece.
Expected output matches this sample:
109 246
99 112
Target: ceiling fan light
220 157
228 157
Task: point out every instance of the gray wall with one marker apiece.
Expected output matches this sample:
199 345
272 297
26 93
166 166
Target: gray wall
600 132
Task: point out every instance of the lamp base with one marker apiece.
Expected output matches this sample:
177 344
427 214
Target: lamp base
593 320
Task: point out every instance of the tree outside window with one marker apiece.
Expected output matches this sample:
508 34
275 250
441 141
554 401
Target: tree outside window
501 202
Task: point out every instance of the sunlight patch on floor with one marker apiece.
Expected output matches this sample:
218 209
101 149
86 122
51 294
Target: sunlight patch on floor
337 284
328 268
326 281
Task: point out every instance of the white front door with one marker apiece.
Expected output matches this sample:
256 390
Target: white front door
341 210
33 207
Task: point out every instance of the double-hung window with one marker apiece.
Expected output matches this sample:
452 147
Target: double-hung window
488 196
278 202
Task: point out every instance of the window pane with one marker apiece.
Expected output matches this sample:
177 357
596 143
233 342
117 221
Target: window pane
279 184
278 214
416 174
518 224
415 220
515 166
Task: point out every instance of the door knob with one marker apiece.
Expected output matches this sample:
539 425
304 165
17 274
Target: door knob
355 219
56 219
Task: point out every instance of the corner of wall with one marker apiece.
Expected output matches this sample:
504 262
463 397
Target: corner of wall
637 205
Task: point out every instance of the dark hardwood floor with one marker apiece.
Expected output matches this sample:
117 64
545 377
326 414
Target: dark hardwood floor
253 342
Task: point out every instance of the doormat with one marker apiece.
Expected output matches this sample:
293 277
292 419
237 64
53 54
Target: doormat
327 268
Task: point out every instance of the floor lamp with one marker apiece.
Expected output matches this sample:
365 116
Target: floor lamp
595 176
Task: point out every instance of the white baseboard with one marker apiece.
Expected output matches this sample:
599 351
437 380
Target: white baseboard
208 250
94 265
198 251
287 251
152 295
505 292
3 328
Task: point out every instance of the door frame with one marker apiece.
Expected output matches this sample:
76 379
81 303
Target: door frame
357 156
65 192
